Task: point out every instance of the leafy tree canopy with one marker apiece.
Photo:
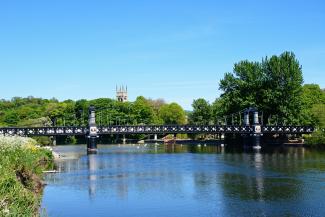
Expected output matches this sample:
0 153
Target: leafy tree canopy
273 85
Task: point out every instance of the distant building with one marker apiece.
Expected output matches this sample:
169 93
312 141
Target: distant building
122 94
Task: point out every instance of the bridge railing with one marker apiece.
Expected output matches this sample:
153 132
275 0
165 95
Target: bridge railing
157 129
287 129
43 131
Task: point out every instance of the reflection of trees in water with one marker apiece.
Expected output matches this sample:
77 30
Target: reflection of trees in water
206 186
195 148
180 148
287 161
260 188
269 176
118 174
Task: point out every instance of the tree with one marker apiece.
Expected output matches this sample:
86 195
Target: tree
172 114
144 112
313 97
218 110
283 87
55 111
274 86
201 112
318 113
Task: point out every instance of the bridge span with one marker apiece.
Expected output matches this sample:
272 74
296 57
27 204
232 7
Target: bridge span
156 129
252 131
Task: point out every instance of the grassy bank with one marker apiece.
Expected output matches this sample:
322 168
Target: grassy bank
21 166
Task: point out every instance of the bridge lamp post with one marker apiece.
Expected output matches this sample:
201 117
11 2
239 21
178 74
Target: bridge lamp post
129 108
100 118
107 120
82 117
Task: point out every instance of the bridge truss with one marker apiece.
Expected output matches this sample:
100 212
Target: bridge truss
157 129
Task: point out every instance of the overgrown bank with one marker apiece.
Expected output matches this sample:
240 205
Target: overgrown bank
316 139
21 166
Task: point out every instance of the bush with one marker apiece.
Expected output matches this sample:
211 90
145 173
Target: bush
316 139
21 165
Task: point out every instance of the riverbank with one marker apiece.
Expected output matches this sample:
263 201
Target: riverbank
21 165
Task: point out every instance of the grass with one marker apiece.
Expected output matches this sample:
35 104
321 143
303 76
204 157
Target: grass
21 166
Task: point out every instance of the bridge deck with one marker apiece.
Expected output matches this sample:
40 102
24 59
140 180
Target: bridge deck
157 129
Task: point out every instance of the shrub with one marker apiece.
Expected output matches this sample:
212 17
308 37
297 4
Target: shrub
21 165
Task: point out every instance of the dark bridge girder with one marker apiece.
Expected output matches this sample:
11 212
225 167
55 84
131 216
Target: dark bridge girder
155 129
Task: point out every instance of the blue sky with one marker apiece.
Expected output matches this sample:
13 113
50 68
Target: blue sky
172 49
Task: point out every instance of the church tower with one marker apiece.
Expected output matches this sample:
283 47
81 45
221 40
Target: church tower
122 94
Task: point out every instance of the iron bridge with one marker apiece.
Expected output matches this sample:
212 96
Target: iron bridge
157 129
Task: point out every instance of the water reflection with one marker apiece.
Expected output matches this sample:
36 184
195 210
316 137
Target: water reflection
190 180
92 167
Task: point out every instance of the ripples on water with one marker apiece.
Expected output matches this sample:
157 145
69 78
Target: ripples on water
181 180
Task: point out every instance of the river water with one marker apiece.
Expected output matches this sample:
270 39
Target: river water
186 180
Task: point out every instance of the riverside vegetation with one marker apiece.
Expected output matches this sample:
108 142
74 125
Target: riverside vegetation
21 166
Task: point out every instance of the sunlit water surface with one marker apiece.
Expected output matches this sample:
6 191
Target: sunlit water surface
180 180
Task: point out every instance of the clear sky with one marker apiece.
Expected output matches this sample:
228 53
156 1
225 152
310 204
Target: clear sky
172 49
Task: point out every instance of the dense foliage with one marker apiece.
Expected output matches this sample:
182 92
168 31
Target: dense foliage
21 165
36 112
274 86
43 112
202 112
172 114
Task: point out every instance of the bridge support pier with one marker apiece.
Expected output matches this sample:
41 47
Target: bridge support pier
92 132
252 140
91 145
124 139
54 140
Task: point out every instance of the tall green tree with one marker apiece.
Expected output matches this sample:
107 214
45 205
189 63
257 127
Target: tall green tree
313 101
172 114
283 87
202 112
274 86
144 112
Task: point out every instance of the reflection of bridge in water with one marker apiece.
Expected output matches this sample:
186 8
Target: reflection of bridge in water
251 131
112 170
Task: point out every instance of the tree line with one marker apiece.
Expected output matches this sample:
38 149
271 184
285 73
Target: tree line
273 85
34 112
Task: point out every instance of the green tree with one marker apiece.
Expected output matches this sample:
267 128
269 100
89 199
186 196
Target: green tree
318 113
202 112
312 99
172 114
218 110
144 113
274 86
55 111
282 88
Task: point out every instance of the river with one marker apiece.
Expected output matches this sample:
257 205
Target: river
186 180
